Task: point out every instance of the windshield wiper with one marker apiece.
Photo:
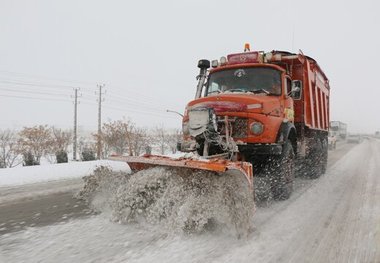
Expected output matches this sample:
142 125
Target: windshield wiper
237 90
261 91
214 91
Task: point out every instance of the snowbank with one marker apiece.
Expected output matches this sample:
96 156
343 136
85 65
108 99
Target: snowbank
52 172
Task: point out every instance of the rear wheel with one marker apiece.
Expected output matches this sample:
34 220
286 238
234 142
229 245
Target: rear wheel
325 154
283 173
314 162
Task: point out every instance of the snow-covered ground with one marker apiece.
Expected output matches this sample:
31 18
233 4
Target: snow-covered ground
47 171
52 172
335 219
97 240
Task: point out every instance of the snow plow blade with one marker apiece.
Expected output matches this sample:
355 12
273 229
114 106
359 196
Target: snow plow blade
138 163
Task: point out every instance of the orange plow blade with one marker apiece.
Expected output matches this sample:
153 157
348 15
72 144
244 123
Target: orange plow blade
138 163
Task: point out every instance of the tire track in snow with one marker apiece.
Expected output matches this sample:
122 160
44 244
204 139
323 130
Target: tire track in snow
327 223
338 227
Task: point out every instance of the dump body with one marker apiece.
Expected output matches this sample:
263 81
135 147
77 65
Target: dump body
313 108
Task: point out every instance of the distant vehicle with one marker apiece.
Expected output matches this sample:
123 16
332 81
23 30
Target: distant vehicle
339 129
331 141
354 138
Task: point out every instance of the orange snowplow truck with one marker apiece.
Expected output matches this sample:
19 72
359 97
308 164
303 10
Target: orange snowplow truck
268 109
254 113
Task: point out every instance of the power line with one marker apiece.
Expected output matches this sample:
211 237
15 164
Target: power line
127 109
142 98
33 98
136 100
35 84
140 104
137 104
33 92
126 106
139 94
143 110
150 113
75 83
27 82
31 76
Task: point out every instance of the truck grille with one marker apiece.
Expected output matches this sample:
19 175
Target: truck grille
239 128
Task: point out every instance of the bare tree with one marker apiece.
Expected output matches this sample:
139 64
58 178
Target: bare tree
61 139
122 136
60 142
166 139
9 151
117 135
35 142
139 139
172 139
160 138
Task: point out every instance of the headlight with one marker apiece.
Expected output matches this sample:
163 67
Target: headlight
257 128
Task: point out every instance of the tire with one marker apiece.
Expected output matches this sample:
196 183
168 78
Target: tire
325 155
283 173
314 162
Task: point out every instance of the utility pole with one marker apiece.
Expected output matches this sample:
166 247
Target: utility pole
75 123
100 100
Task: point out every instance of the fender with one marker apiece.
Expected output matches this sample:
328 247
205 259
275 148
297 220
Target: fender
287 131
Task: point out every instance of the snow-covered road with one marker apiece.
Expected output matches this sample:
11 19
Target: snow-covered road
335 218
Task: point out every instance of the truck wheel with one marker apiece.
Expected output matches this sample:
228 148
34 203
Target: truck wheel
325 155
283 173
314 162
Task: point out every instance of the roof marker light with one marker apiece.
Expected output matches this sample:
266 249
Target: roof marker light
223 61
247 47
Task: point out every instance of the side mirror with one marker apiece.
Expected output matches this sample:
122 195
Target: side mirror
296 89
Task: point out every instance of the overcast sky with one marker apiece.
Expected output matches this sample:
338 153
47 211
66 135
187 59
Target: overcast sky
146 53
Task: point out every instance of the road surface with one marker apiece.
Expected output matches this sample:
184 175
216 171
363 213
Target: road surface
335 218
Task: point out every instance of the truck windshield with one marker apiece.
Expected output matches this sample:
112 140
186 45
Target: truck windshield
252 80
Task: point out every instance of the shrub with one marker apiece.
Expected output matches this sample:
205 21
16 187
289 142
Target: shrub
61 157
29 159
88 155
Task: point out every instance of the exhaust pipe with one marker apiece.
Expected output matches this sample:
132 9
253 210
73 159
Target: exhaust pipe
203 64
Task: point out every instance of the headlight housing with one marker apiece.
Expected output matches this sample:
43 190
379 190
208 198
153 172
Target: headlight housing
257 128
